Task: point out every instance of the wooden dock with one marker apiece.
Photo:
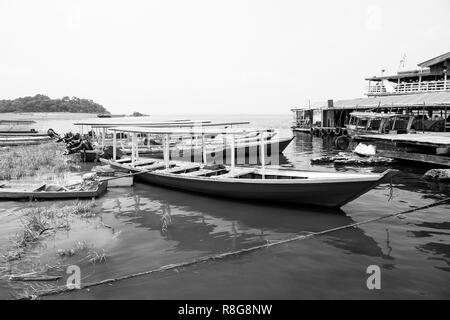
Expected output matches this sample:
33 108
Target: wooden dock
434 139
429 147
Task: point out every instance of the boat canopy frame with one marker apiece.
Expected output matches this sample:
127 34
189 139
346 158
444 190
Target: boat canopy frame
198 131
103 126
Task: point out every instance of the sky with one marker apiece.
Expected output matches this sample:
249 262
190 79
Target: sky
207 56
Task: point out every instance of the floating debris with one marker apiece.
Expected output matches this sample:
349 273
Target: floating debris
438 174
345 159
34 277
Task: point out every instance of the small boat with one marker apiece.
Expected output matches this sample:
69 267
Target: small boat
263 184
107 115
11 192
23 140
112 177
242 148
16 126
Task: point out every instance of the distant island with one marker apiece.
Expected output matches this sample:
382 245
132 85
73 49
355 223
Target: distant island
42 103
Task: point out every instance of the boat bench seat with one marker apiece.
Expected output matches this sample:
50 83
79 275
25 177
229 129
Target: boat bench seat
235 173
123 160
181 169
155 166
144 162
201 172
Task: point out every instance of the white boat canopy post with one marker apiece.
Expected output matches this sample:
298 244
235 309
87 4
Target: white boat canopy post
262 150
102 126
166 151
167 132
103 137
204 149
233 163
114 145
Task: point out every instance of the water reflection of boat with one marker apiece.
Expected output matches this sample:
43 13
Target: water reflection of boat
210 224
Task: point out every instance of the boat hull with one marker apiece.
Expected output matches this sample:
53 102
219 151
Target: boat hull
6 194
319 191
192 154
331 195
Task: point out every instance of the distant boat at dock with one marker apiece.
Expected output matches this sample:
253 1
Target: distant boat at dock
242 148
107 115
17 127
19 132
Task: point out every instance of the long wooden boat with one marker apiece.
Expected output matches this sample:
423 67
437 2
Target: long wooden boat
29 193
274 185
249 183
22 134
19 141
241 149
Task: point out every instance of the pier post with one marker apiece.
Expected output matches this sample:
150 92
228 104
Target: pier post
445 80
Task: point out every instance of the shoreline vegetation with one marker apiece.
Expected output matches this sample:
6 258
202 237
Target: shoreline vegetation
31 265
34 266
44 161
42 103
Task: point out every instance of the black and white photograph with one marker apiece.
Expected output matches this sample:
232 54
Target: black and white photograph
231 152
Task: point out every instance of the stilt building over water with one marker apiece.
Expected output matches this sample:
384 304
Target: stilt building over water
407 103
424 93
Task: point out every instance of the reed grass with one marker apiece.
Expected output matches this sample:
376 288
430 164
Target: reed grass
43 160
39 222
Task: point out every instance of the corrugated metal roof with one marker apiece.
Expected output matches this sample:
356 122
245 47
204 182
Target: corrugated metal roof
430 99
436 60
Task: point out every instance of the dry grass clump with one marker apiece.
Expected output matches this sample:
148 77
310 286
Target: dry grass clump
35 160
39 222
22 260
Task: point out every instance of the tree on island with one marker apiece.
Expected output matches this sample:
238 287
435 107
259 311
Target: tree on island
138 114
42 103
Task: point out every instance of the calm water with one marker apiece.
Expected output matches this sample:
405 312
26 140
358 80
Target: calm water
413 250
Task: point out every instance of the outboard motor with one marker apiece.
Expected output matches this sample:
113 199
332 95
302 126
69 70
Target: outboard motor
52 134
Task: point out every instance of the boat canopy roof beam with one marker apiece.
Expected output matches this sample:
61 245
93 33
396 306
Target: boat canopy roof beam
188 130
168 124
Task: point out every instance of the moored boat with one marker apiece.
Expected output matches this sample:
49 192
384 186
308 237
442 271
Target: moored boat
242 149
250 183
256 184
11 192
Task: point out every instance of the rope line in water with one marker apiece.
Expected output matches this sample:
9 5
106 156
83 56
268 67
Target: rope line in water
219 256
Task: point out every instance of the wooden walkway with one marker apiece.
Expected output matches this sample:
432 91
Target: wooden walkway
432 139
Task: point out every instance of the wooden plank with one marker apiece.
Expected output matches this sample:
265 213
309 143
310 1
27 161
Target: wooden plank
427 139
155 166
183 168
144 162
201 172
418 157
236 173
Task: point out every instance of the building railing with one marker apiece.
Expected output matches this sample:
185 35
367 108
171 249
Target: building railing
410 87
